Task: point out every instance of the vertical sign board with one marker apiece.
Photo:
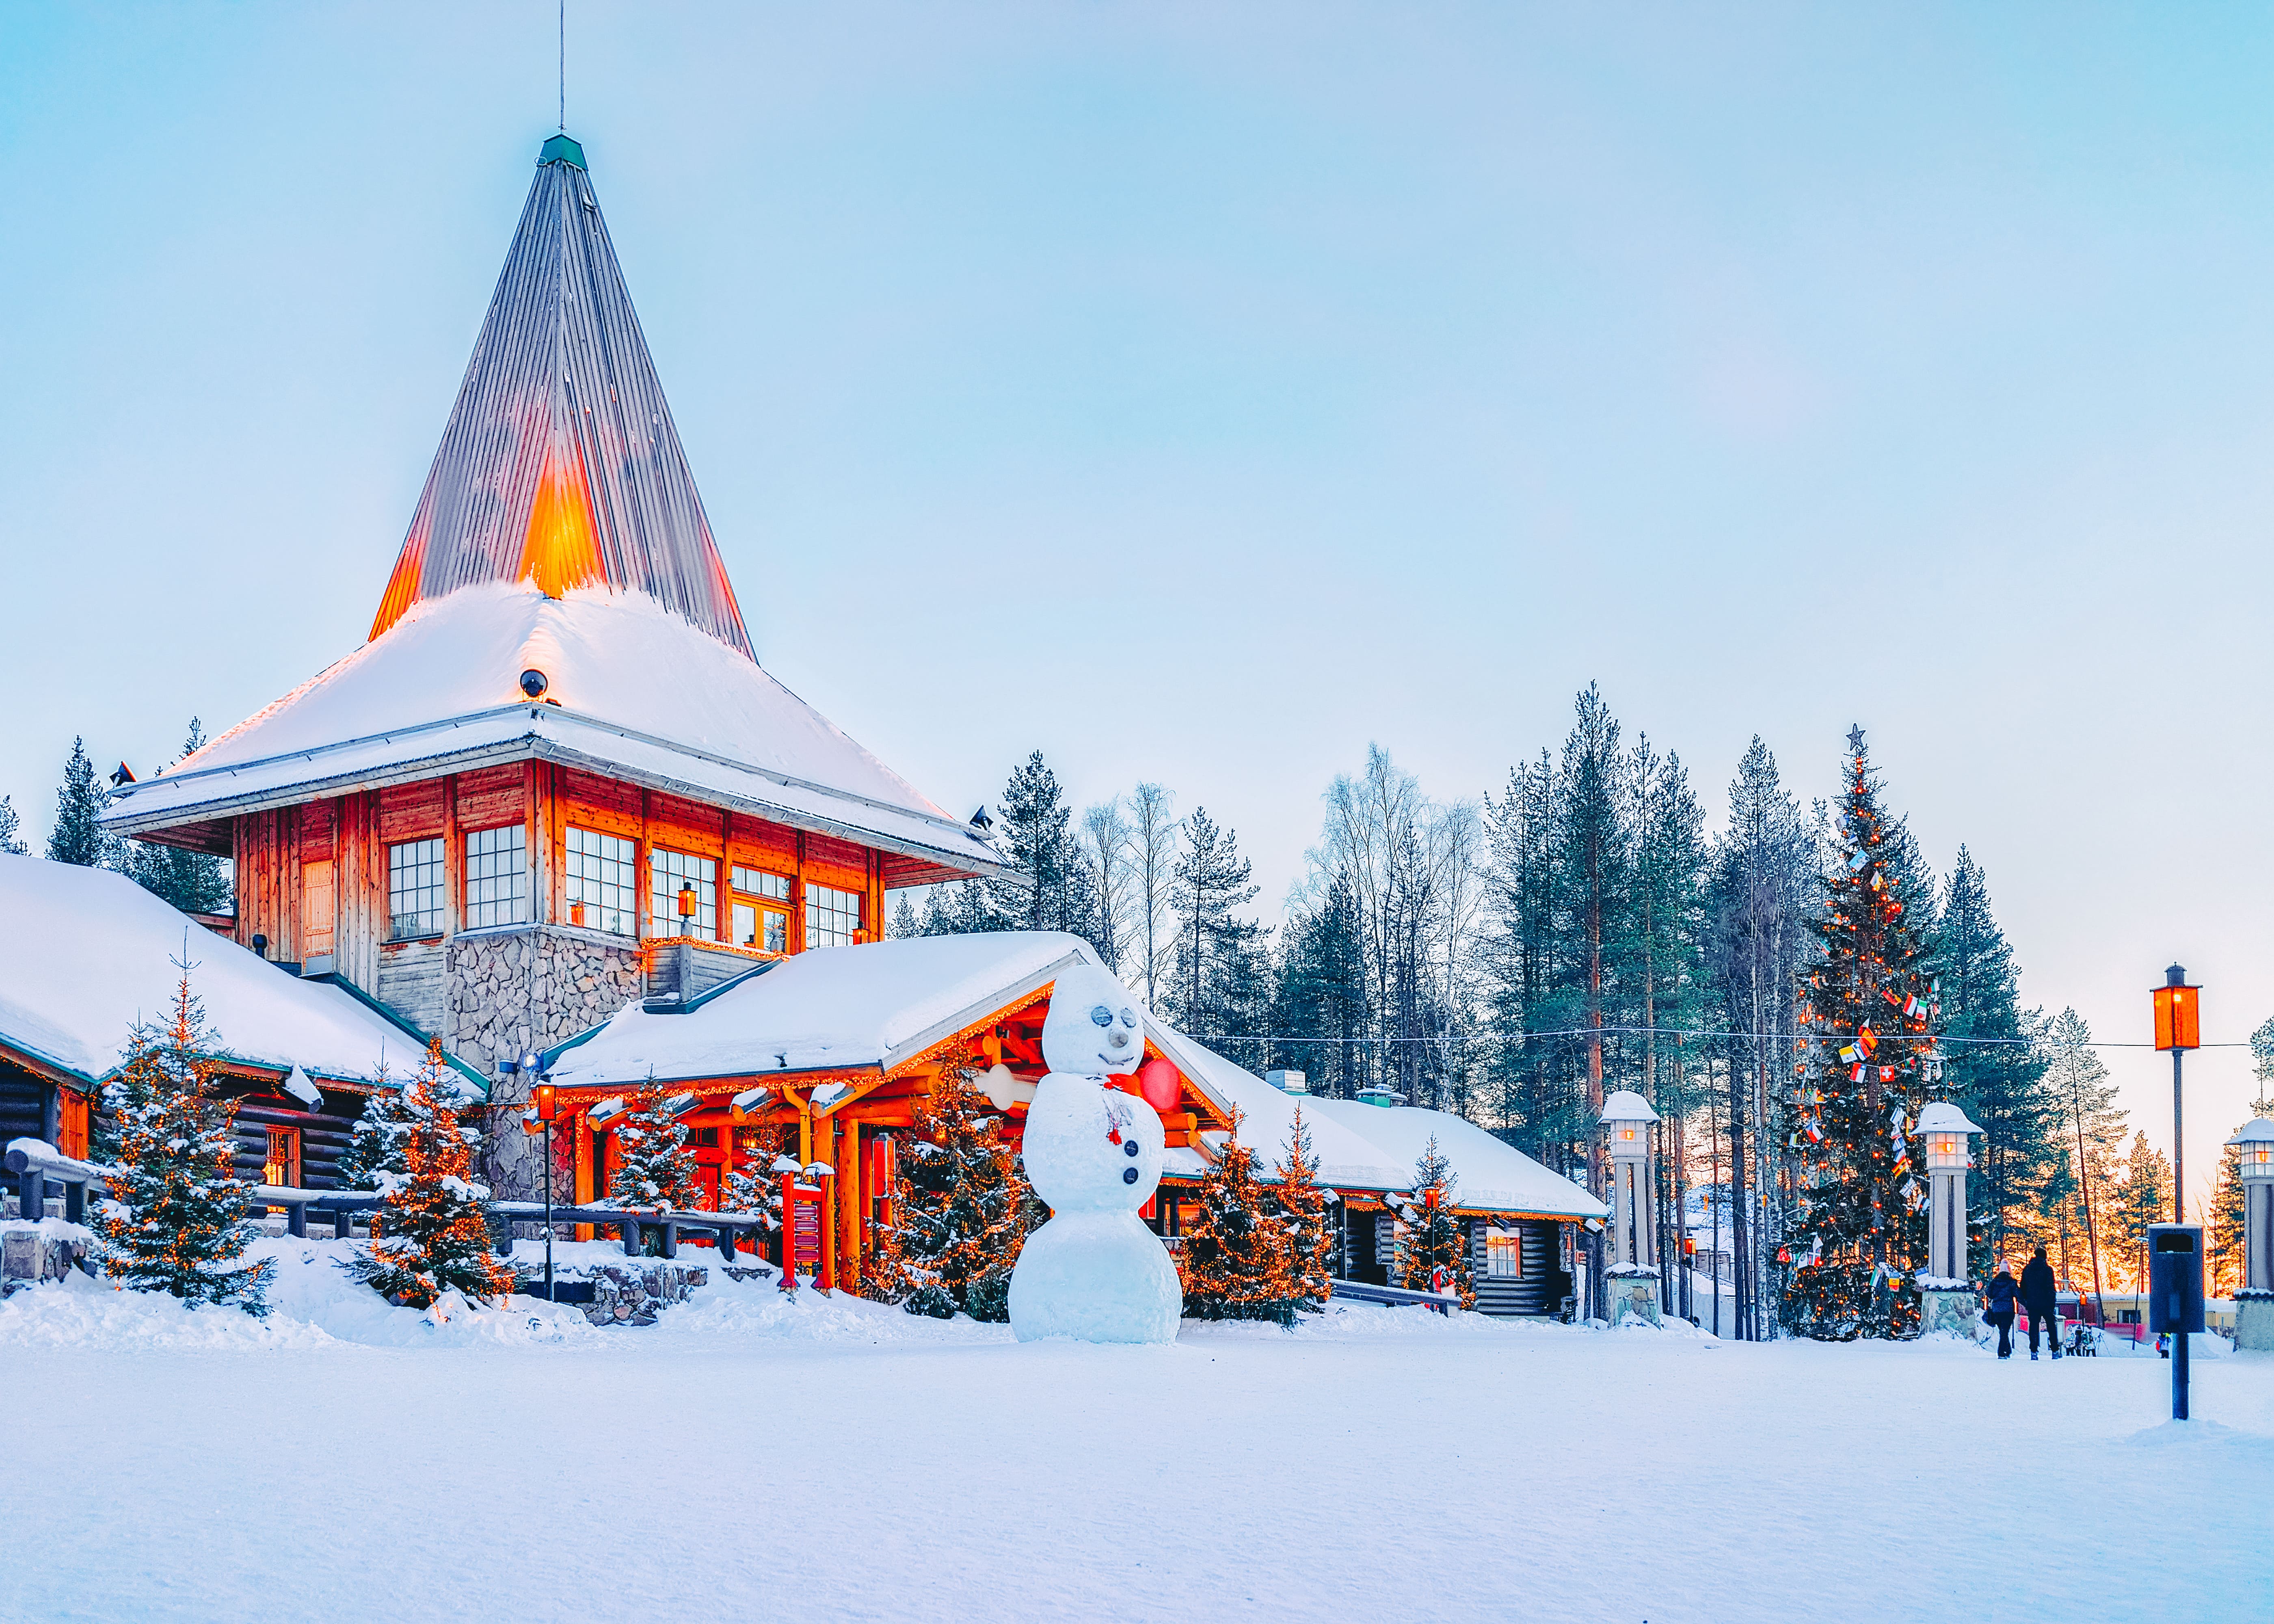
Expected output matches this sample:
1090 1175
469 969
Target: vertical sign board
803 1260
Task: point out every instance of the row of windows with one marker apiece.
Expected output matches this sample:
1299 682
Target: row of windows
600 879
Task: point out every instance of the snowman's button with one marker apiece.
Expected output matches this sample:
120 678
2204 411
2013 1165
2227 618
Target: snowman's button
1129 1148
1129 1175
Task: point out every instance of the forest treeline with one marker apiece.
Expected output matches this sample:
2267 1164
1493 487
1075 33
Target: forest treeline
1517 957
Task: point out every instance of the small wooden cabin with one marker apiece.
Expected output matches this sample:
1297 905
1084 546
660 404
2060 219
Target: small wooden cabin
556 776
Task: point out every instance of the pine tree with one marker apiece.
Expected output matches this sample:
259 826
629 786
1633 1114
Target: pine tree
10 843
1215 984
376 1143
2092 1124
755 1186
1300 1206
1055 885
1318 1004
182 1216
436 1234
1436 1236
2143 1197
655 1171
905 923
1862 1074
963 1210
191 881
1998 1078
1237 1264
79 836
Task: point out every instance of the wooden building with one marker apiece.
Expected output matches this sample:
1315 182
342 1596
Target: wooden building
556 776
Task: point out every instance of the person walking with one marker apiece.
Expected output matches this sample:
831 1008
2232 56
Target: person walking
2001 1313
2041 1299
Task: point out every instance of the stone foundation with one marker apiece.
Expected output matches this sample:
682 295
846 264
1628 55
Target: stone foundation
2253 1322
1633 1297
1944 1309
32 1252
630 1293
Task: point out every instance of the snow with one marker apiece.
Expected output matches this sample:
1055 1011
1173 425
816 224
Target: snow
87 953
640 690
894 1467
1491 1173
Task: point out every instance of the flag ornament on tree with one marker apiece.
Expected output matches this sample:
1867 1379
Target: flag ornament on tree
1867 1052
436 1234
178 1218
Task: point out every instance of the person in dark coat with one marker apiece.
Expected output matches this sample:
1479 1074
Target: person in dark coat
2000 1311
2041 1299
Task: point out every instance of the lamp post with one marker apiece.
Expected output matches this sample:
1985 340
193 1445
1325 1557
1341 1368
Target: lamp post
547 1108
2254 1305
2179 1028
1945 1286
1633 1270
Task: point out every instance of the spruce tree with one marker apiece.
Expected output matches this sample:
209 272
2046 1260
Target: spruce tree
1866 1059
79 836
191 881
1300 1202
1238 1263
181 1215
376 1143
1318 1005
11 843
654 1169
1053 886
436 1234
755 1186
963 1210
2092 1125
1437 1236
1215 987
2143 1197
905 923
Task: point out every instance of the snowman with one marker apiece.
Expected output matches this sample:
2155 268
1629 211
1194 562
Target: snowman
1093 1272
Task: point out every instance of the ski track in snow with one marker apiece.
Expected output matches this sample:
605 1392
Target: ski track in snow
837 1460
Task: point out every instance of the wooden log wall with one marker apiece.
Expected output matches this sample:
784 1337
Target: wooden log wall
324 1134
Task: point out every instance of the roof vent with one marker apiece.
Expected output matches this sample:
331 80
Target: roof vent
1288 1082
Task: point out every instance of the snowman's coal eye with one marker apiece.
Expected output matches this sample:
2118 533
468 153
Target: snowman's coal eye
1103 1016
1129 1018
1129 1147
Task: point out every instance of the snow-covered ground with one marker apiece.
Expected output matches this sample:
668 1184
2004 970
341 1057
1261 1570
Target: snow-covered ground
833 1459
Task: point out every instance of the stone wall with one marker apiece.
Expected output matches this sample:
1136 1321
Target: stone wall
512 991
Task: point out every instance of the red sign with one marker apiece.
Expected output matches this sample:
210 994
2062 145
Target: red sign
804 1258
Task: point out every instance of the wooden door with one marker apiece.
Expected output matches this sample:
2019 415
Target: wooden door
316 910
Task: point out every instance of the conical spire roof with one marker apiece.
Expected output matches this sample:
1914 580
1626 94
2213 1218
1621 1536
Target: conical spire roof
561 466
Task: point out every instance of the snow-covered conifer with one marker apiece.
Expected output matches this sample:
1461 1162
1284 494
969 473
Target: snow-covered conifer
178 1217
654 1169
1301 1206
1238 1264
1437 1236
436 1237
375 1143
963 1210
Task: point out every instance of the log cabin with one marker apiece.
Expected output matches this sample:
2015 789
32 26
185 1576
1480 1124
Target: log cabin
554 778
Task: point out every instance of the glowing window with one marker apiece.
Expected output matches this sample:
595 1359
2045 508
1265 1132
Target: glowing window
669 873
833 917
601 881
497 877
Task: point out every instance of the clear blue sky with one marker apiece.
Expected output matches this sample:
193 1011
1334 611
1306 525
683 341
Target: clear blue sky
1199 396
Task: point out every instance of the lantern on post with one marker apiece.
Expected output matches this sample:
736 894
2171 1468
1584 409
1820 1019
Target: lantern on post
2179 1028
1632 1272
2253 1304
1947 1300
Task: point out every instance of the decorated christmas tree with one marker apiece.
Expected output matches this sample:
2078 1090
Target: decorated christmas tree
375 1144
436 1236
1300 1203
1866 1062
655 1170
1238 1264
756 1185
962 1211
178 1218
1435 1249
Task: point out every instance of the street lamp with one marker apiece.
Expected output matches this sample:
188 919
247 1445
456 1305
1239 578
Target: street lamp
2253 1304
2179 1028
1626 1122
548 1107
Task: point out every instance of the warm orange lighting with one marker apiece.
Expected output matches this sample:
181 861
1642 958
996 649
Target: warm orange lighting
546 1104
403 585
687 902
2178 1018
1626 1133
562 549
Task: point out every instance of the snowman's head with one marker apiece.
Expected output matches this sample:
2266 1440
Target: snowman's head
1095 1027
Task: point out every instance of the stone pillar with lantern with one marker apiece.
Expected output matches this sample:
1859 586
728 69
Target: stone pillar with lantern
1630 1268
1948 1301
2253 1302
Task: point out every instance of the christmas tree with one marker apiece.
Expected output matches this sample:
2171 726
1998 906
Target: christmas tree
375 1144
1437 1237
180 1222
654 1169
1301 1206
436 1237
962 1212
756 1185
1238 1264
1864 1061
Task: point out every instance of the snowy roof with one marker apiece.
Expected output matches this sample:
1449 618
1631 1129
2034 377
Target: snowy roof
1346 1160
1942 1117
2257 1130
561 461
873 1004
1490 1172
88 953
1628 1105
643 695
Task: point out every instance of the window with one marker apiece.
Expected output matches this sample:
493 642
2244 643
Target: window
670 873
497 877
414 889
758 883
762 929
1503 1255
600 875
832 916
282 1166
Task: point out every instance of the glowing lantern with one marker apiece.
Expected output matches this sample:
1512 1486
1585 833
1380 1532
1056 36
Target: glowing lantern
548 1103
1159 1083
2179 1013
686 901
